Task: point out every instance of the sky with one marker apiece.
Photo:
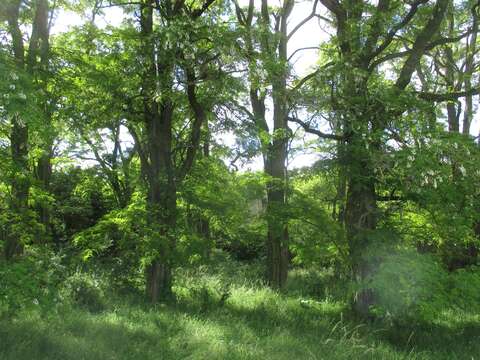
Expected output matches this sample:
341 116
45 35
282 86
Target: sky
310 35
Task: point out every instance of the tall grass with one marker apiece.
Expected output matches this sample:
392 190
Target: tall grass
225 312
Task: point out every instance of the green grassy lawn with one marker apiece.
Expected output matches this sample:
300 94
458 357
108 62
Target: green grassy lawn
252 322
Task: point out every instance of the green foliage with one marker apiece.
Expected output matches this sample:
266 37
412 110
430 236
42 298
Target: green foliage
31 282
231 203
253 322
18 94
464 285
409 287
117 241
85 290
81 199
97 98
318 283
23 226
316 237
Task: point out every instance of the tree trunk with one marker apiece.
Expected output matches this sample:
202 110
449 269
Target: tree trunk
469 69
20 185
44 175
161 199
18 145
360 217
339 215
277 237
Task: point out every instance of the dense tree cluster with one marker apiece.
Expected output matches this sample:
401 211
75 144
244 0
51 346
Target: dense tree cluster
111 146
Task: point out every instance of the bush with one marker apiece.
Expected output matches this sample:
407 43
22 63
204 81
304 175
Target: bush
115 243
85 291
465 288
409 286
31 281
205 292
317 283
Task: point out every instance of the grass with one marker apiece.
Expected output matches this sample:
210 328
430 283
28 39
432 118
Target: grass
225 312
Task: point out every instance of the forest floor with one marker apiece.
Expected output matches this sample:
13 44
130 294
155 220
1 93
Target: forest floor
224 312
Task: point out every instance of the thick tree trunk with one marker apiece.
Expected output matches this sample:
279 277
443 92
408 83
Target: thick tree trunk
18 144
452 113
274 159
361 217
161 198
160 69
204 223
158 280
161 202
275 150
277 237
161 207
339 205
37 65
469 69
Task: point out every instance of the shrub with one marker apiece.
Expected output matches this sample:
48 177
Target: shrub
31 281
85 291
465 288
115 242
409 286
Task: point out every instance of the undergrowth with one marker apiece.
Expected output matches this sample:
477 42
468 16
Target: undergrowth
224 311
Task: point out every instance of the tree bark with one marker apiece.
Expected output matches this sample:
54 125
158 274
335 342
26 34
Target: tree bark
471 49
18 144
161 197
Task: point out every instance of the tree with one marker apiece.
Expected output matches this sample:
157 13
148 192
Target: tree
367 38
264 41
29 64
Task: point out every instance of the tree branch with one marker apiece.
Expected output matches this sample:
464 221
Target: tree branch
304 21
421 43
391 34
199 119
319 133
449 96
301 49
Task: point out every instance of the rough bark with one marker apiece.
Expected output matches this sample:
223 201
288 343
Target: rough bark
37 63
18 142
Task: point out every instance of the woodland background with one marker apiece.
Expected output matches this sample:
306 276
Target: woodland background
132 225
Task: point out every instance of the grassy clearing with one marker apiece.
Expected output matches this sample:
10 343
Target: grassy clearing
224 312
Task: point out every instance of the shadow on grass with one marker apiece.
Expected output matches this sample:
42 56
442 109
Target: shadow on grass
448 338
78 338
322 330
273 328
